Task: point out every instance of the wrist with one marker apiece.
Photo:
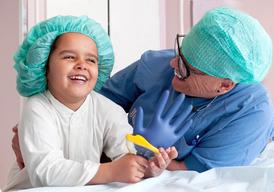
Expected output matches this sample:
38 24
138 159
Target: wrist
176 165
103 175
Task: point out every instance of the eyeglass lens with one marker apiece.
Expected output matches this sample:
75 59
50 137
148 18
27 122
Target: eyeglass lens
183 71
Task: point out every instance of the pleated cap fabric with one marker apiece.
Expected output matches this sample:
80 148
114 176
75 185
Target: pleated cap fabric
32 56
227 43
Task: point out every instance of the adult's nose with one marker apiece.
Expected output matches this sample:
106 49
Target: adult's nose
174 62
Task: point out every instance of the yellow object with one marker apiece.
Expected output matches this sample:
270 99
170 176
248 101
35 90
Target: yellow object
141 141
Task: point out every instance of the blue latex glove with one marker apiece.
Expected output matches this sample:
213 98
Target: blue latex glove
161 132
143 152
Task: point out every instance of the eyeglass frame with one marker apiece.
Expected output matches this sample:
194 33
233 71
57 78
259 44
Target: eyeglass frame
182 61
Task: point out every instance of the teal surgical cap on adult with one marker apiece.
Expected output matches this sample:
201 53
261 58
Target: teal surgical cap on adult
227 43
32 56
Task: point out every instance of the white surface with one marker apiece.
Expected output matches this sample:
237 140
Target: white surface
134 28
255 178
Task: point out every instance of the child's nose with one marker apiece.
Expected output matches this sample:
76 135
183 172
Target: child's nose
81 65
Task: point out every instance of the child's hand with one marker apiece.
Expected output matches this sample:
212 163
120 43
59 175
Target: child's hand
129 168
159 162
16 148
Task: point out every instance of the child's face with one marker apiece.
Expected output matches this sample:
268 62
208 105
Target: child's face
72 68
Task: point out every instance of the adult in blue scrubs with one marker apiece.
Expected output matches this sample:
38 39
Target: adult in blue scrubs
218 66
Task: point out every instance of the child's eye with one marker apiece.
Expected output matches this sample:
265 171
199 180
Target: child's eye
92 60
69 57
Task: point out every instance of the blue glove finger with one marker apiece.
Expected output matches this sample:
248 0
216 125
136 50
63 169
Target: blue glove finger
174 107
183 129
162 103
143 152
138 128
182 117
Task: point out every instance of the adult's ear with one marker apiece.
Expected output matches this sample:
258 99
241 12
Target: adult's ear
226 86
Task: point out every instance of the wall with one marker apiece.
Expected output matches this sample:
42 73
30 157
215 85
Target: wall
134 29
171 22
135 26
9 99
96 9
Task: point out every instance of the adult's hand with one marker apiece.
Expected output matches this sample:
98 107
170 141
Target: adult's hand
164 130
16 148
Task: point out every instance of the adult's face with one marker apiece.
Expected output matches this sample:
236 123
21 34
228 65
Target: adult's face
199 84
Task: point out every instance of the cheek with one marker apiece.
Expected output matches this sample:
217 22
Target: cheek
173 62
205 87
94 72
52 82
50 76
193 86
180 86
57 74
203 84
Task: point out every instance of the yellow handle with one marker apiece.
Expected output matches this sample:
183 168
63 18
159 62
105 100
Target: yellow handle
141 141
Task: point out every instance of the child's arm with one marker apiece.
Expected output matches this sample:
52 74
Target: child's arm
129 168
160 162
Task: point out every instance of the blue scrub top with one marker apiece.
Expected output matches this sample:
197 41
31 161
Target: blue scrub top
232 130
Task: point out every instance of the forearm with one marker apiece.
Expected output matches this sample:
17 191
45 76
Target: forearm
176 165
61 172
103 175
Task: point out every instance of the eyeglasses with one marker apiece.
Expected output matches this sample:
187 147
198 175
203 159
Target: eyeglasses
184 70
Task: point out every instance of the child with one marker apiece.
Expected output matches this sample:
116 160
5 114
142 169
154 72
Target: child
65 126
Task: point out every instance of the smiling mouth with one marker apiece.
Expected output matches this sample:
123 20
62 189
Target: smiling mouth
78 78
177 75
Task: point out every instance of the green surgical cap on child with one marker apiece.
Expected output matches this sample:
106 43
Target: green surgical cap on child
227 43
32 56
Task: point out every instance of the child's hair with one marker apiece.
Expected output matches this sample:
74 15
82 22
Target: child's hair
52 48
32 56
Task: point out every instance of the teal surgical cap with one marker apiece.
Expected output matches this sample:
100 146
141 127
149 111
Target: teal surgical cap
32 56
227 43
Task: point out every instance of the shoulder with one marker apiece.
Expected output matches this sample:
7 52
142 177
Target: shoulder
37 109
255 90
154 66
242 104
107 112
104 104
251 107
38 103
154 55
156 60
250 96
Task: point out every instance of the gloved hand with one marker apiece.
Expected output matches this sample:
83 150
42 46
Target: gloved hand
161 132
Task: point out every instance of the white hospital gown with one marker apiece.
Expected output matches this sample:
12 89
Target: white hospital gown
61 147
